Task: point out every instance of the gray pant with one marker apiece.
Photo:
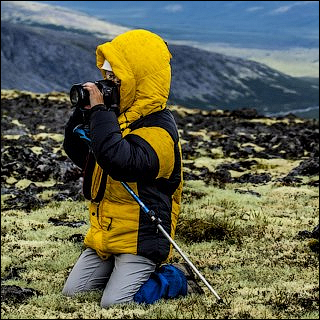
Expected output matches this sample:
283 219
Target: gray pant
120 276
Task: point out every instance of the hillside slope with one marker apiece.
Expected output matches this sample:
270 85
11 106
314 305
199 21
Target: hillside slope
43 60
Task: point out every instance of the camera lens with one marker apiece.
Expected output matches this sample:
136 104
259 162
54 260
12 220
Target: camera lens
79 97
74 96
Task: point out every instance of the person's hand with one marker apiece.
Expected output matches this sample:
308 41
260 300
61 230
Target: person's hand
96 96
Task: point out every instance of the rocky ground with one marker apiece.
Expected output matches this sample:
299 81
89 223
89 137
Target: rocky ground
34 163
35 169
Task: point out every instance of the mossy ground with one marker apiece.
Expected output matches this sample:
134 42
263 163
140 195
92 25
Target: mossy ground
247 248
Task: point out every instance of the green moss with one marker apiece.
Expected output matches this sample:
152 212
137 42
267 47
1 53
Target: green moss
245 246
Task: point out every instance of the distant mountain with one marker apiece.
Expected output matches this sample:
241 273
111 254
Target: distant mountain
43 60
40 14
43 55
209 80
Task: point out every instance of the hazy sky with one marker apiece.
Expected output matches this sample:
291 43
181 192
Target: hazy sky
269 24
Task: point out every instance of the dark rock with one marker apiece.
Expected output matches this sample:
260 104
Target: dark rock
313 236
78 237
253 178
238 166
314 183
290 180
15 294
247 192
234 133
222 176
245 113
308 167
72 224
310 234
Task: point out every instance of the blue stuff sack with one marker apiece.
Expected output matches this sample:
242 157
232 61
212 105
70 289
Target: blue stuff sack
166 283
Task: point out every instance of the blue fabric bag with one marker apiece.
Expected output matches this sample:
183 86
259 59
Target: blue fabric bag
167 283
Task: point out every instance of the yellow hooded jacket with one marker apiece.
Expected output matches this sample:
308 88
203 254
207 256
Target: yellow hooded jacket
140 147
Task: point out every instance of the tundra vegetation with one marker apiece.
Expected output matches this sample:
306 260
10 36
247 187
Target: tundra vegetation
250 211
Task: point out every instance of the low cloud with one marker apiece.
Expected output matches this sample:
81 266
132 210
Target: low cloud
254 9
173 8
284 9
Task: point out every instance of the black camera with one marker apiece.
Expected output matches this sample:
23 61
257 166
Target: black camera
79 96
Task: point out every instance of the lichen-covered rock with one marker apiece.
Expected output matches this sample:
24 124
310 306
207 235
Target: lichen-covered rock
36 170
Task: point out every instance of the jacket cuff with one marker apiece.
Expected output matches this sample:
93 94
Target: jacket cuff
98 107
102 107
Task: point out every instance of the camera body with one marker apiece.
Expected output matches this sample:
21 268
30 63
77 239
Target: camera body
80 97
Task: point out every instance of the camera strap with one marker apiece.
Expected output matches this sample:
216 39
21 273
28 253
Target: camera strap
83 132
87 180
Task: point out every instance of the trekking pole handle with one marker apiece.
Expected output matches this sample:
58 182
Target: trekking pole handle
82 132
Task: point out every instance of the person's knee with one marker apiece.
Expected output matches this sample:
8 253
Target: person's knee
108 301
68 291
104 303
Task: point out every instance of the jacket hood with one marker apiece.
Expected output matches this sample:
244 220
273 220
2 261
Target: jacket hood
141 60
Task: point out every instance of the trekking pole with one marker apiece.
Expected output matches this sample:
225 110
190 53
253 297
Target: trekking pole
159 226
